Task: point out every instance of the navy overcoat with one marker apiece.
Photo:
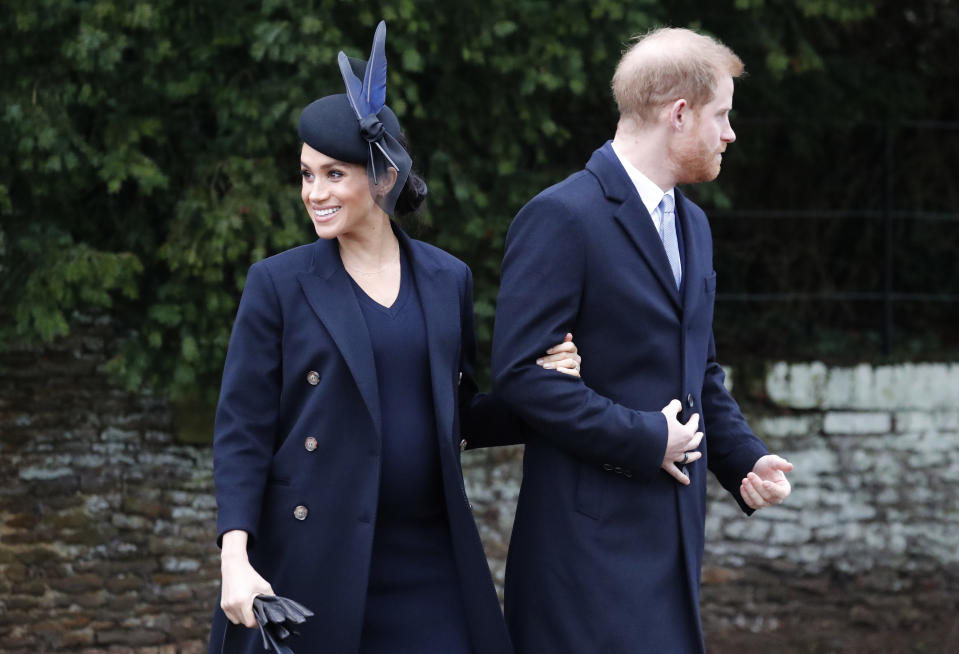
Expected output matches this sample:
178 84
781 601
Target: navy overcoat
607 547
297 440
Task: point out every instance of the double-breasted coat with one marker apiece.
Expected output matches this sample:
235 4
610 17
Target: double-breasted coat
297 440
607 547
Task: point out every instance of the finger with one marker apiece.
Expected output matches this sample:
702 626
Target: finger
750 494
780 463
693 456
776 492
772 463
248 619
234 612
559 357
229 613
693 423
677 474
568 338
562 347
673 408
574 372
694 441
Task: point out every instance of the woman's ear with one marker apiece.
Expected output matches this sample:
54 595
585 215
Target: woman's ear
385 183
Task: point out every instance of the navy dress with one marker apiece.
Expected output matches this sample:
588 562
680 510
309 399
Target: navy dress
414 602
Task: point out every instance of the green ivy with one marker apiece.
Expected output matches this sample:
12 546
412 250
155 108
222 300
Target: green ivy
148 150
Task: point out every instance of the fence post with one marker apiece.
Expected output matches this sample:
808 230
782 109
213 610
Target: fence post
887 212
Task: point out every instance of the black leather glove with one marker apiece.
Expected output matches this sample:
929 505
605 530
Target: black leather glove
276 617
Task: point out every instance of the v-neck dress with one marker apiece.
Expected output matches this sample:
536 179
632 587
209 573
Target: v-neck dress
414 601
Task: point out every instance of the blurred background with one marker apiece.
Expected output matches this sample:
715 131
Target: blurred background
148 156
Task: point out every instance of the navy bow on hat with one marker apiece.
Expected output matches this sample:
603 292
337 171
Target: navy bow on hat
367 97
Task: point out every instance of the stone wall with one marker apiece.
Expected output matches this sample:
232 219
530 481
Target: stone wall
107 521
864 556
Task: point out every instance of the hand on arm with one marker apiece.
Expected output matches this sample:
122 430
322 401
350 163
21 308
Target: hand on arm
241 583
681 442
766 484
563 357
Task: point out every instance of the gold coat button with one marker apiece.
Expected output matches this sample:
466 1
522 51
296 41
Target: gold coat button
310 444
462 445
313 377
301 512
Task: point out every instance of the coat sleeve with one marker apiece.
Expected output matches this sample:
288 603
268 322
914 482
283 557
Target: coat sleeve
248 408
733 448
543 279
487 421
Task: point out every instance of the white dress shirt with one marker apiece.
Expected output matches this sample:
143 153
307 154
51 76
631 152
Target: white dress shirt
650 194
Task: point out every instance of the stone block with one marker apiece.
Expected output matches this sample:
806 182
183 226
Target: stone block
796 386
787 533
175 564
753 530
856 422
808 464
913 421
786 426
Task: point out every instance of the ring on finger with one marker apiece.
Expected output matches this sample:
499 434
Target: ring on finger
685 458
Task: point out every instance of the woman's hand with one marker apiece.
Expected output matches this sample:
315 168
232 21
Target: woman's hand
563 357
241 583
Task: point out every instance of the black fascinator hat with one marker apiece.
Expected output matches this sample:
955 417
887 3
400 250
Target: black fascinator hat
358 127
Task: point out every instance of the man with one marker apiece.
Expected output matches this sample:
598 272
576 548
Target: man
608 539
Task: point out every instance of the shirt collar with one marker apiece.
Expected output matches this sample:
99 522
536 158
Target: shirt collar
650 194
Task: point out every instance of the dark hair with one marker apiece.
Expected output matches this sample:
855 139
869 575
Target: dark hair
414 192
412 196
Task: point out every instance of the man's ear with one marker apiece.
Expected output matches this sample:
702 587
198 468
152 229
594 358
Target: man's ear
678 114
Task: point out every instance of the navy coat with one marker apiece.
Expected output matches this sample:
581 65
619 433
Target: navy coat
607 547
297 440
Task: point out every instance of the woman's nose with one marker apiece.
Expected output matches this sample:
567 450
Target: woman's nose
319 191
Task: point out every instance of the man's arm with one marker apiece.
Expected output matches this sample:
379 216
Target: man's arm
737 457
543 277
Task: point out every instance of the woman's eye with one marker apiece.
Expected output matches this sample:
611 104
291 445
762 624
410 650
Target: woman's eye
335 174
306 174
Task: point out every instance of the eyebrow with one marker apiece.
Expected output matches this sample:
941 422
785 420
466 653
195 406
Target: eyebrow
333 164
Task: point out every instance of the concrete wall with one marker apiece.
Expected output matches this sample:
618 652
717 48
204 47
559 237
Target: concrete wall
106 521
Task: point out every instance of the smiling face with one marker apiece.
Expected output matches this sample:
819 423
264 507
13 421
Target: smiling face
336 194
697 153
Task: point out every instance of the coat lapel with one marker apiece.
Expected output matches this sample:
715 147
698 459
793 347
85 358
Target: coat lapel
330 294
693 274
439 297
633 217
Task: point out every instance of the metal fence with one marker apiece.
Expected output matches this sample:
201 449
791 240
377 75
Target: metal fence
898 170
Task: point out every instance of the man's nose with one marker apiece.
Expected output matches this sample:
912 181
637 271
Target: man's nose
728 134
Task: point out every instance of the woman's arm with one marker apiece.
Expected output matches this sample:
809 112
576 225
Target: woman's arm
244 431
248 410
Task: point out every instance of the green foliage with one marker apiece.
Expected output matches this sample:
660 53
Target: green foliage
149 155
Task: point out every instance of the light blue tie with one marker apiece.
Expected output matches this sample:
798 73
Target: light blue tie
667 233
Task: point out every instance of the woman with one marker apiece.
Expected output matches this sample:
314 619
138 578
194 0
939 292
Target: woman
347 396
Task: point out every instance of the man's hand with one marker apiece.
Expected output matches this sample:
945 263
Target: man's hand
766 485
682 441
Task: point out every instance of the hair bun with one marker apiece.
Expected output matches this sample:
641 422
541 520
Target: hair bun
412 196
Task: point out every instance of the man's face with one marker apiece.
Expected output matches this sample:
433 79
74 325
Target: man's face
698 151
